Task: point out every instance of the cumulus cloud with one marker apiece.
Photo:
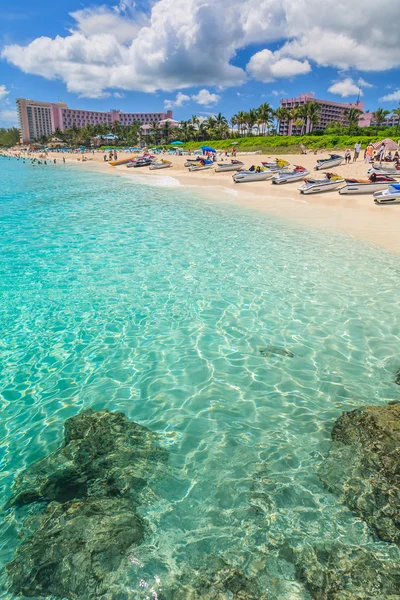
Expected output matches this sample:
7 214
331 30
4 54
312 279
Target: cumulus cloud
204 97
393 97
180 100
362 83
3 92
267 66
345 88
175 44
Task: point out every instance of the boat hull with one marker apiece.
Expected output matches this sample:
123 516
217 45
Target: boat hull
387 173
320 188
123 161
387 197
364 188
227 168
246 177
329 164
200 168
292 178
157 167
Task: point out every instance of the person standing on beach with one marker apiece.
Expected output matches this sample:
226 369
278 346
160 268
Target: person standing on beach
357 150
347 156
368 153
382 153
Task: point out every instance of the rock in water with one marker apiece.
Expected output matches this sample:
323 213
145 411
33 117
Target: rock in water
275 350
214 579
363 466
397 377
77 549
91 487
342 572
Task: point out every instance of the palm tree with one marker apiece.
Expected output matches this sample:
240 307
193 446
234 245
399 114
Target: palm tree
380 116
166 131
155 130
184 129
352 117
312 113
241 120
282 116
221 125
396 113
251 120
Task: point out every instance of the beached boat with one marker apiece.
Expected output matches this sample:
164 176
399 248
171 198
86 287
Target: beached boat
297 174
234 165
122 161
334 160
315 186
389 196
279 164
253 174
375 183
164 164
202 165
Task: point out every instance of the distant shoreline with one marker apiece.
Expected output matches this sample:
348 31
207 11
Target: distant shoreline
356 216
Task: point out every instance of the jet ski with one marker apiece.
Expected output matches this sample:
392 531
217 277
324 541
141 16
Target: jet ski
385 170
279 164
234 165
389 196
334 160
163 164
202 165
297 174
253 174
316 186
374 183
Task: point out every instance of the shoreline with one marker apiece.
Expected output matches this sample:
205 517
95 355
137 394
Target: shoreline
356 215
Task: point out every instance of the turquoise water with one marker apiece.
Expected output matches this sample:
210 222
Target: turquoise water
156 303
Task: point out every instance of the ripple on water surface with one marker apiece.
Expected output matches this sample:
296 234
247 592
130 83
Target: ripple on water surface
178 312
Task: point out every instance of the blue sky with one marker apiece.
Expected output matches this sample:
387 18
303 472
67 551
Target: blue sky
197 56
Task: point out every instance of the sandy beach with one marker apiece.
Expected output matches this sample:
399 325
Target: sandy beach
355 215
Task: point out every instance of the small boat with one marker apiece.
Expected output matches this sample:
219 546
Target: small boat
316 186
389 196
334 160
164 164
297 174
122 161
234 165
253 174
202 165
375 183
279 164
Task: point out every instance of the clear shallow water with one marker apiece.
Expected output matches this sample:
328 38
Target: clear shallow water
150 301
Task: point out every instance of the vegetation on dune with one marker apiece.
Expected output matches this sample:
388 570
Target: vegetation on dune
9 137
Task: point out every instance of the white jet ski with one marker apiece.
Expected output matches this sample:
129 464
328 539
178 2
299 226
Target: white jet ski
389 196
317 186
253 174
297 174
334 160
164 164
375 183
234 165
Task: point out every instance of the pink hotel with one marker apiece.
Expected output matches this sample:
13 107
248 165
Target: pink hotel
38 119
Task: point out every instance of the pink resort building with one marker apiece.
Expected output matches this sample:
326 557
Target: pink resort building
37 119
330 111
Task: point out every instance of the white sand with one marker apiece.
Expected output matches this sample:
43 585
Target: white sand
355 215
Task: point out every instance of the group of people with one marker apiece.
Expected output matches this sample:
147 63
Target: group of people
110 156
371 155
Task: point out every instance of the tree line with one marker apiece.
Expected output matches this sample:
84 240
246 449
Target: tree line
263 120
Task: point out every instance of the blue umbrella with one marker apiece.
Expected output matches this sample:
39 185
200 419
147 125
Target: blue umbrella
208 149
176 144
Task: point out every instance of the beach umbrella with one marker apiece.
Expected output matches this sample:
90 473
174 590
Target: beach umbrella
176 144
208 149
389 145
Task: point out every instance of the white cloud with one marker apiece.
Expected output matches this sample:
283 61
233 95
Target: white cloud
118 95
8 117
3 92
180 100
393 97
178 44
267 66
280 93
345 88
205 98
364 84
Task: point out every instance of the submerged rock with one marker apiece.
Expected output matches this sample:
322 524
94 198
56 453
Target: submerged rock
363 466
214 579
342 572
78 547
275 350
397 377
91 487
